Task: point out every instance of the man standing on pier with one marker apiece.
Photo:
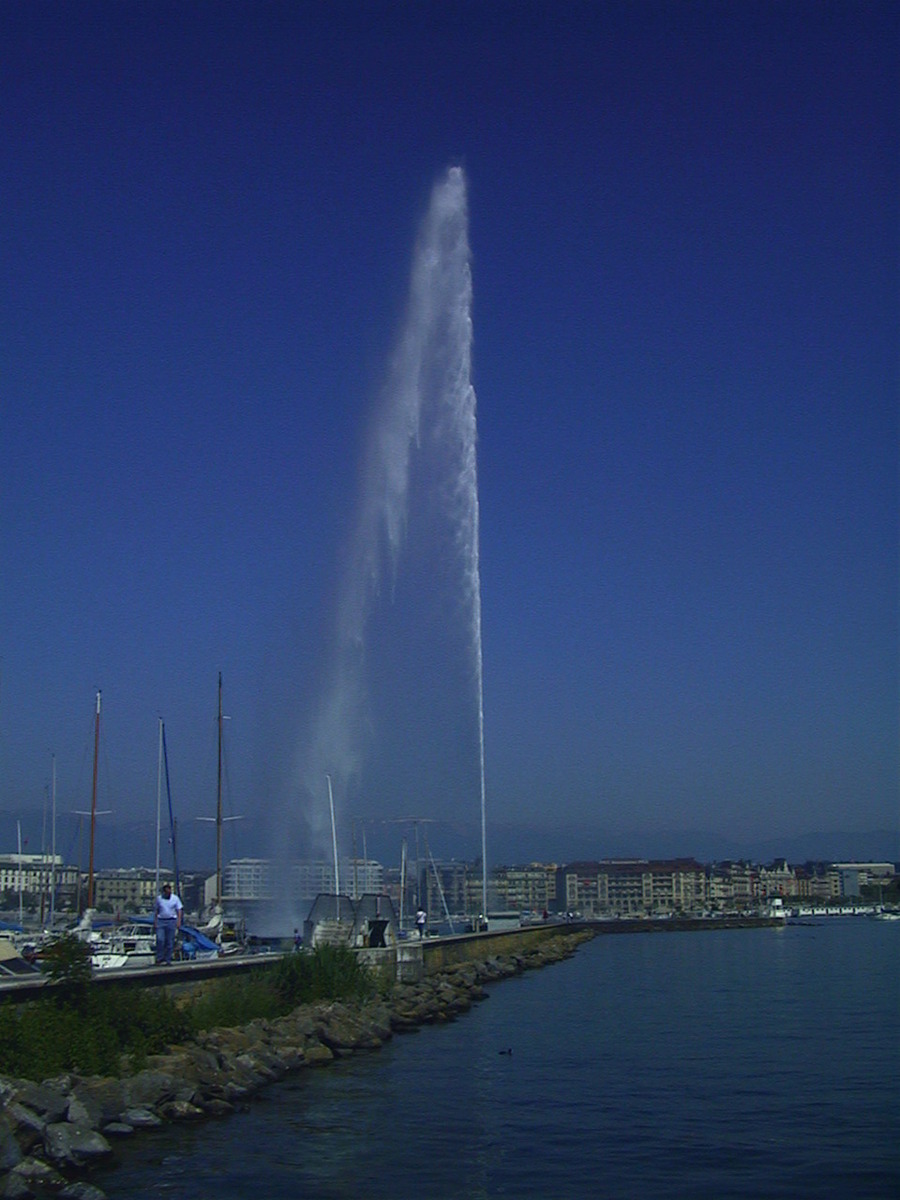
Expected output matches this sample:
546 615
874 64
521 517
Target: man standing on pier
166 921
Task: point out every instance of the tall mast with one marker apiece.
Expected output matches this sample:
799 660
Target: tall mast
172 822
19 842
219 807
158 798
53 845
337 878
90 892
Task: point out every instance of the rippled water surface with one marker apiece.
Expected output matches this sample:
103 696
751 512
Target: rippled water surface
730 1063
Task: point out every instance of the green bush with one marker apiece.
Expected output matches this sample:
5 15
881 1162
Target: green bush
329 973
230 1002
79 1027
67 961
86 1030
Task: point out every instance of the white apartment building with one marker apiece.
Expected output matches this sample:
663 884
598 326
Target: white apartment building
255 879
127 889
31 875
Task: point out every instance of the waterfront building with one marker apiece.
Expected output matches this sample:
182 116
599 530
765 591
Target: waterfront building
777 879
133 890
580 889
249 885
633 887
855 876
30 875
126 889
262 878
526 889
817 883
733 885
443 887
247 879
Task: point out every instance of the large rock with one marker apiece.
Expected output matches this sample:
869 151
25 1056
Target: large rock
84 1111
14 1187
74 1145
140 1118
10 1150
36 1175
180 1110
149 1088
100 1096
47 1099
343 1030
81 1191
28 1125
318 1055
117 1129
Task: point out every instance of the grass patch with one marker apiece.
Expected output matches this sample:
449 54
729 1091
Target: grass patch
87 1032
329 973
231 1002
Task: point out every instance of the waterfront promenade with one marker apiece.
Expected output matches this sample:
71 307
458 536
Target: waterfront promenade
411 959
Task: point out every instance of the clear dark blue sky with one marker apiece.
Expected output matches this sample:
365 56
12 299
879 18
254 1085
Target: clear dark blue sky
684 223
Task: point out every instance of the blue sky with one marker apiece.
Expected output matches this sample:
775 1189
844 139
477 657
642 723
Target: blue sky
684 231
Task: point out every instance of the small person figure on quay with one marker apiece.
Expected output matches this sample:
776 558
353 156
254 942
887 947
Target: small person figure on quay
166 921
298 939
420 922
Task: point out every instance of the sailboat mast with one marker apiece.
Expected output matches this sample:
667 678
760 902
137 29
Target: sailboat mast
219 807
90 892
402 878
19 879
337 878
158 798
172 822
53 844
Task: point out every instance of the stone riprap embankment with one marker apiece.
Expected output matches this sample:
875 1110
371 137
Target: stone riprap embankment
52 1133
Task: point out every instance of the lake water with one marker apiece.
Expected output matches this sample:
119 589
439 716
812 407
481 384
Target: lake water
730 1063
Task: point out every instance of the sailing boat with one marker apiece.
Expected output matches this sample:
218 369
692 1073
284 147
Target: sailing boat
133 944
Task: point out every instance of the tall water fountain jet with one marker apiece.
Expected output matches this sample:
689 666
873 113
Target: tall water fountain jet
429 398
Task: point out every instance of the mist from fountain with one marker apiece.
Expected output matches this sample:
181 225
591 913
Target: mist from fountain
425 423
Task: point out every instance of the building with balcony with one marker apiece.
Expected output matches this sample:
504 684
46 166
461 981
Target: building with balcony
777 879
252 886
127 889
31 876
525 889
733 885
633 887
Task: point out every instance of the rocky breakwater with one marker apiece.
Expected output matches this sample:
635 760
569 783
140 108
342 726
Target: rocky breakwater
52 1133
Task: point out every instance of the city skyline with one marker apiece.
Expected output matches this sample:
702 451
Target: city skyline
133 846
684 231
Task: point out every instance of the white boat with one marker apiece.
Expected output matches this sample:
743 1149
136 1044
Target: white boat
887 914
133 944
114 947
122 947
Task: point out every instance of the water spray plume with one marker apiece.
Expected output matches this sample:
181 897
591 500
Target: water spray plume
429 393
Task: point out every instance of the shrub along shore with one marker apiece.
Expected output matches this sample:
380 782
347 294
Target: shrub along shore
207 1055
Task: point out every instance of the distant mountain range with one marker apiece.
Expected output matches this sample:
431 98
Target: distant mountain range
129 844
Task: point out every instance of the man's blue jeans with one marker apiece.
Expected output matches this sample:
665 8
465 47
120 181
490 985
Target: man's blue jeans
165 939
